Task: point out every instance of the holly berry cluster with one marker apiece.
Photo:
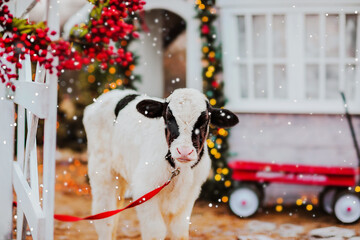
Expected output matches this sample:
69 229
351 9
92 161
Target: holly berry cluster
107 24
19 38
89 42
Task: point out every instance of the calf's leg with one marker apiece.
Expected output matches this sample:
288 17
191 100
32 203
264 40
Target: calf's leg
103 188
152 224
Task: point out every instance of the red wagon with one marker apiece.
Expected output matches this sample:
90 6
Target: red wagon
338 197
341 196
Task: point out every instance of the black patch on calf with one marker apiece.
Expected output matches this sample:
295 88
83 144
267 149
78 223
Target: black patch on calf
199 132
123 102
151 108
223 118
199 158
170 160
171 127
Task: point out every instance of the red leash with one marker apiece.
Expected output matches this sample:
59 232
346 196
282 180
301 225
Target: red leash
141 200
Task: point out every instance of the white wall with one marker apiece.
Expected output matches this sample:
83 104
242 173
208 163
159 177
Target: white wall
149 48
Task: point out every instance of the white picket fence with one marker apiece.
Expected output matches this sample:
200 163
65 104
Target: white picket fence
34 100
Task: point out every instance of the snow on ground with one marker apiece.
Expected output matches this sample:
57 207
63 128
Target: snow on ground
215 222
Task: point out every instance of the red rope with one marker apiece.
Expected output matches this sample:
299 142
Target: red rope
140 200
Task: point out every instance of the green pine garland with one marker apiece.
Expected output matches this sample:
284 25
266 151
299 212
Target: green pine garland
217 187
116 76
92 82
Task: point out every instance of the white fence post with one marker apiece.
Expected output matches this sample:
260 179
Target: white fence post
6 160
35 100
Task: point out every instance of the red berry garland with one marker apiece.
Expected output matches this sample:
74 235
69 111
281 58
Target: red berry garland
92 41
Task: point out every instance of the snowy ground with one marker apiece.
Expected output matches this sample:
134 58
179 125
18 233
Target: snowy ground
215 222
208 221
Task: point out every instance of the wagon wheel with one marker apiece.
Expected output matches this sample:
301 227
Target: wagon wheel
347 207
245 200
326 199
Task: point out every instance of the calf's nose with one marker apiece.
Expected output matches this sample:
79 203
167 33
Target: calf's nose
185 151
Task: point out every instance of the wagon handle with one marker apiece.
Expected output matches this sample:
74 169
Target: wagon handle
351 126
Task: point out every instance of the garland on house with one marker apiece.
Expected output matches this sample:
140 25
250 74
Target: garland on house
96 78
92 81
217 187
100 46
117 76
89 42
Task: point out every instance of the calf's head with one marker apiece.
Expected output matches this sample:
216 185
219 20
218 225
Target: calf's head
187 115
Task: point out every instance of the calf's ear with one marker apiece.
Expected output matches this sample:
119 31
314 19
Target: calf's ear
223 118
150 108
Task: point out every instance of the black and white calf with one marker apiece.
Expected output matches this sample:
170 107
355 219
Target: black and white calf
135 142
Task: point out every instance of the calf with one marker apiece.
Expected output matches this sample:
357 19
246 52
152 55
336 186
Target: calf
135 142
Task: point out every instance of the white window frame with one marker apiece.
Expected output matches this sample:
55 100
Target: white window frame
294 12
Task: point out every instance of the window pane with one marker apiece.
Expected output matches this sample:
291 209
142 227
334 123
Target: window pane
350 81
260 81
280 83
259 36
332 36
350 35
312 35
332 81
312 81
279 43
241 35
244 81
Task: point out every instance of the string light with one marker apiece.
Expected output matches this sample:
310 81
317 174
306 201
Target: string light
213 10
112 85
127 73
119 82
91 68
205 19
217 155
218 170
225 171
202 6
212 101
357 189
123 43
299 202
221 131
227 183
205 49
279 201
225 199
213 151
219 141
132 67
91 78
204 63
309 207
106 90
279 208
211 54
315 200
217 177
208 74
112 70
